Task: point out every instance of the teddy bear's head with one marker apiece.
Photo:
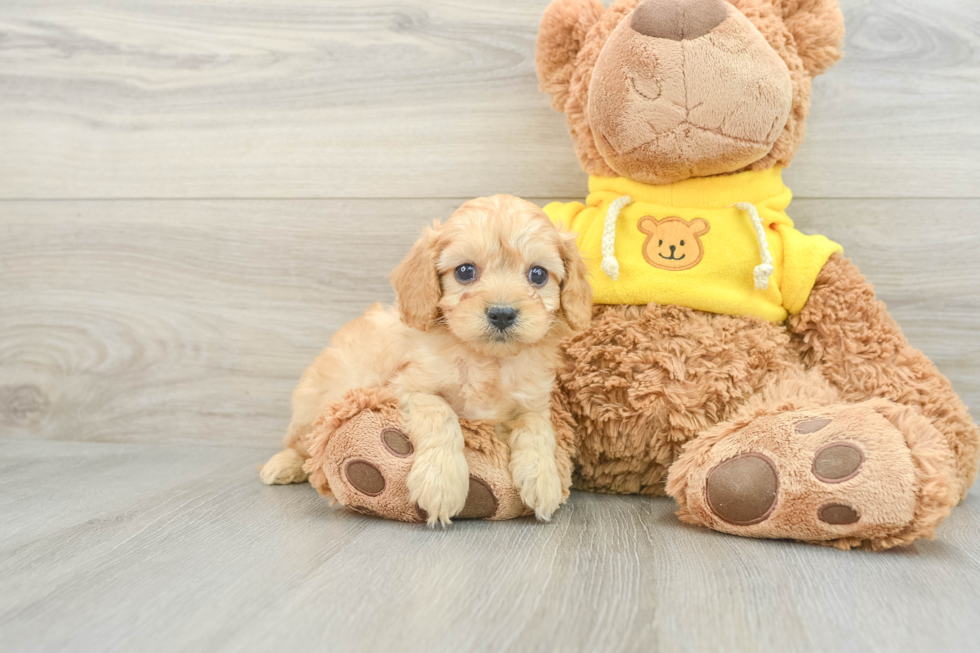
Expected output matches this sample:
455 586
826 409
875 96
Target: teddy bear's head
665 90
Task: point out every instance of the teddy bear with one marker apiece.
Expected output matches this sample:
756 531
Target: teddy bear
732 362
741 367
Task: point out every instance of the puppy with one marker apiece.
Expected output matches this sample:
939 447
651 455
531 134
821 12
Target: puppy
483 301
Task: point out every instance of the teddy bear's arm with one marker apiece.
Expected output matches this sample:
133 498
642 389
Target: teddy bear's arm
848 334
563 214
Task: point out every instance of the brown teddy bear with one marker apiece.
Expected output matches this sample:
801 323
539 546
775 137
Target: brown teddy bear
739 366
732 362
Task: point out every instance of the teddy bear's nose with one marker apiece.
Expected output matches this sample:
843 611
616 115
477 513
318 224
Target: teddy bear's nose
678 20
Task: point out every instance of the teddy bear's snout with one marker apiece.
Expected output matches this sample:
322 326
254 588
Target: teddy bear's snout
678 20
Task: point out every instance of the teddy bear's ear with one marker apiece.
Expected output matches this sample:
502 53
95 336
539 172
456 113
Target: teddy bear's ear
817 27
700 226
648 225
561 35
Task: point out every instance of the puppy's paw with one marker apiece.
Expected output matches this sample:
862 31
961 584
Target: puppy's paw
284 468
536 478
438 484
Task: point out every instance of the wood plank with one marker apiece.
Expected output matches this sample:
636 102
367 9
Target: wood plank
190 321
187 321
162 548
398 98
897 117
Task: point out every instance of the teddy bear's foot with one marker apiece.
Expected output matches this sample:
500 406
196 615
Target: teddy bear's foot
873 474
362 456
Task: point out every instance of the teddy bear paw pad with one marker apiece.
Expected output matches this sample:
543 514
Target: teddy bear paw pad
481 502
397 443
837 462
838 514
364 477
742 490
812 425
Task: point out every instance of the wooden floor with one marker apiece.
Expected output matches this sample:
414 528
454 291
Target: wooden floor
138 547
195 193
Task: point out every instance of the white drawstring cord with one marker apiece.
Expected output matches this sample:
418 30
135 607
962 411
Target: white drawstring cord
609 263
764 271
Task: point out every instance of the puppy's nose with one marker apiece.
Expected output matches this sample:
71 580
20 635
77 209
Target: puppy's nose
502 317
678 20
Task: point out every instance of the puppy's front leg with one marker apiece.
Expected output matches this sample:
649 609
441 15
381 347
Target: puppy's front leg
532 463
440 479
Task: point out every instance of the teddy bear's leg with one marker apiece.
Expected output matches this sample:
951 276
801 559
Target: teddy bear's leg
848 335
644 380
361 455
874 474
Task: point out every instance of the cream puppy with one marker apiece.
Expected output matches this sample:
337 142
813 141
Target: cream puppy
483 301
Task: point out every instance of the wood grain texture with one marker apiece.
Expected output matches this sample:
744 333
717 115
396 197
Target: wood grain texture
164 548
172 321
187 321
401 98
133 328
897 117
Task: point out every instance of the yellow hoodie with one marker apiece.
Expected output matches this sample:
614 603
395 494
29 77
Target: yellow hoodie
716 244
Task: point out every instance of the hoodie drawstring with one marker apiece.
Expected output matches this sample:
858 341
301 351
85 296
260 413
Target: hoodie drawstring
609 263
763 271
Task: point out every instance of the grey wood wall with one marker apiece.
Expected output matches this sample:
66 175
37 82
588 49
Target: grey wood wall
195 194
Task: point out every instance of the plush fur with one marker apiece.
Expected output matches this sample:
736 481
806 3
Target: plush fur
806 36
439 354
661 396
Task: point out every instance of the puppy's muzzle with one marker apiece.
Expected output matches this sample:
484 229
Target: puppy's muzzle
501 318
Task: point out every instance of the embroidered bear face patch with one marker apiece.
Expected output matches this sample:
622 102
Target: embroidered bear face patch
673 243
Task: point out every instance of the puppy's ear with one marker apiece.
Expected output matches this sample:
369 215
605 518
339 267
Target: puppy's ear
416 282
576 292
561 36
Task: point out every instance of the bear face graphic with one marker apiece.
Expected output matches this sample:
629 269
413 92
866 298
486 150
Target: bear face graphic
673 243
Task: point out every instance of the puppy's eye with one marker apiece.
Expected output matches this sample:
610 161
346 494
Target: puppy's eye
465 273
661 242
682 243
538 276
